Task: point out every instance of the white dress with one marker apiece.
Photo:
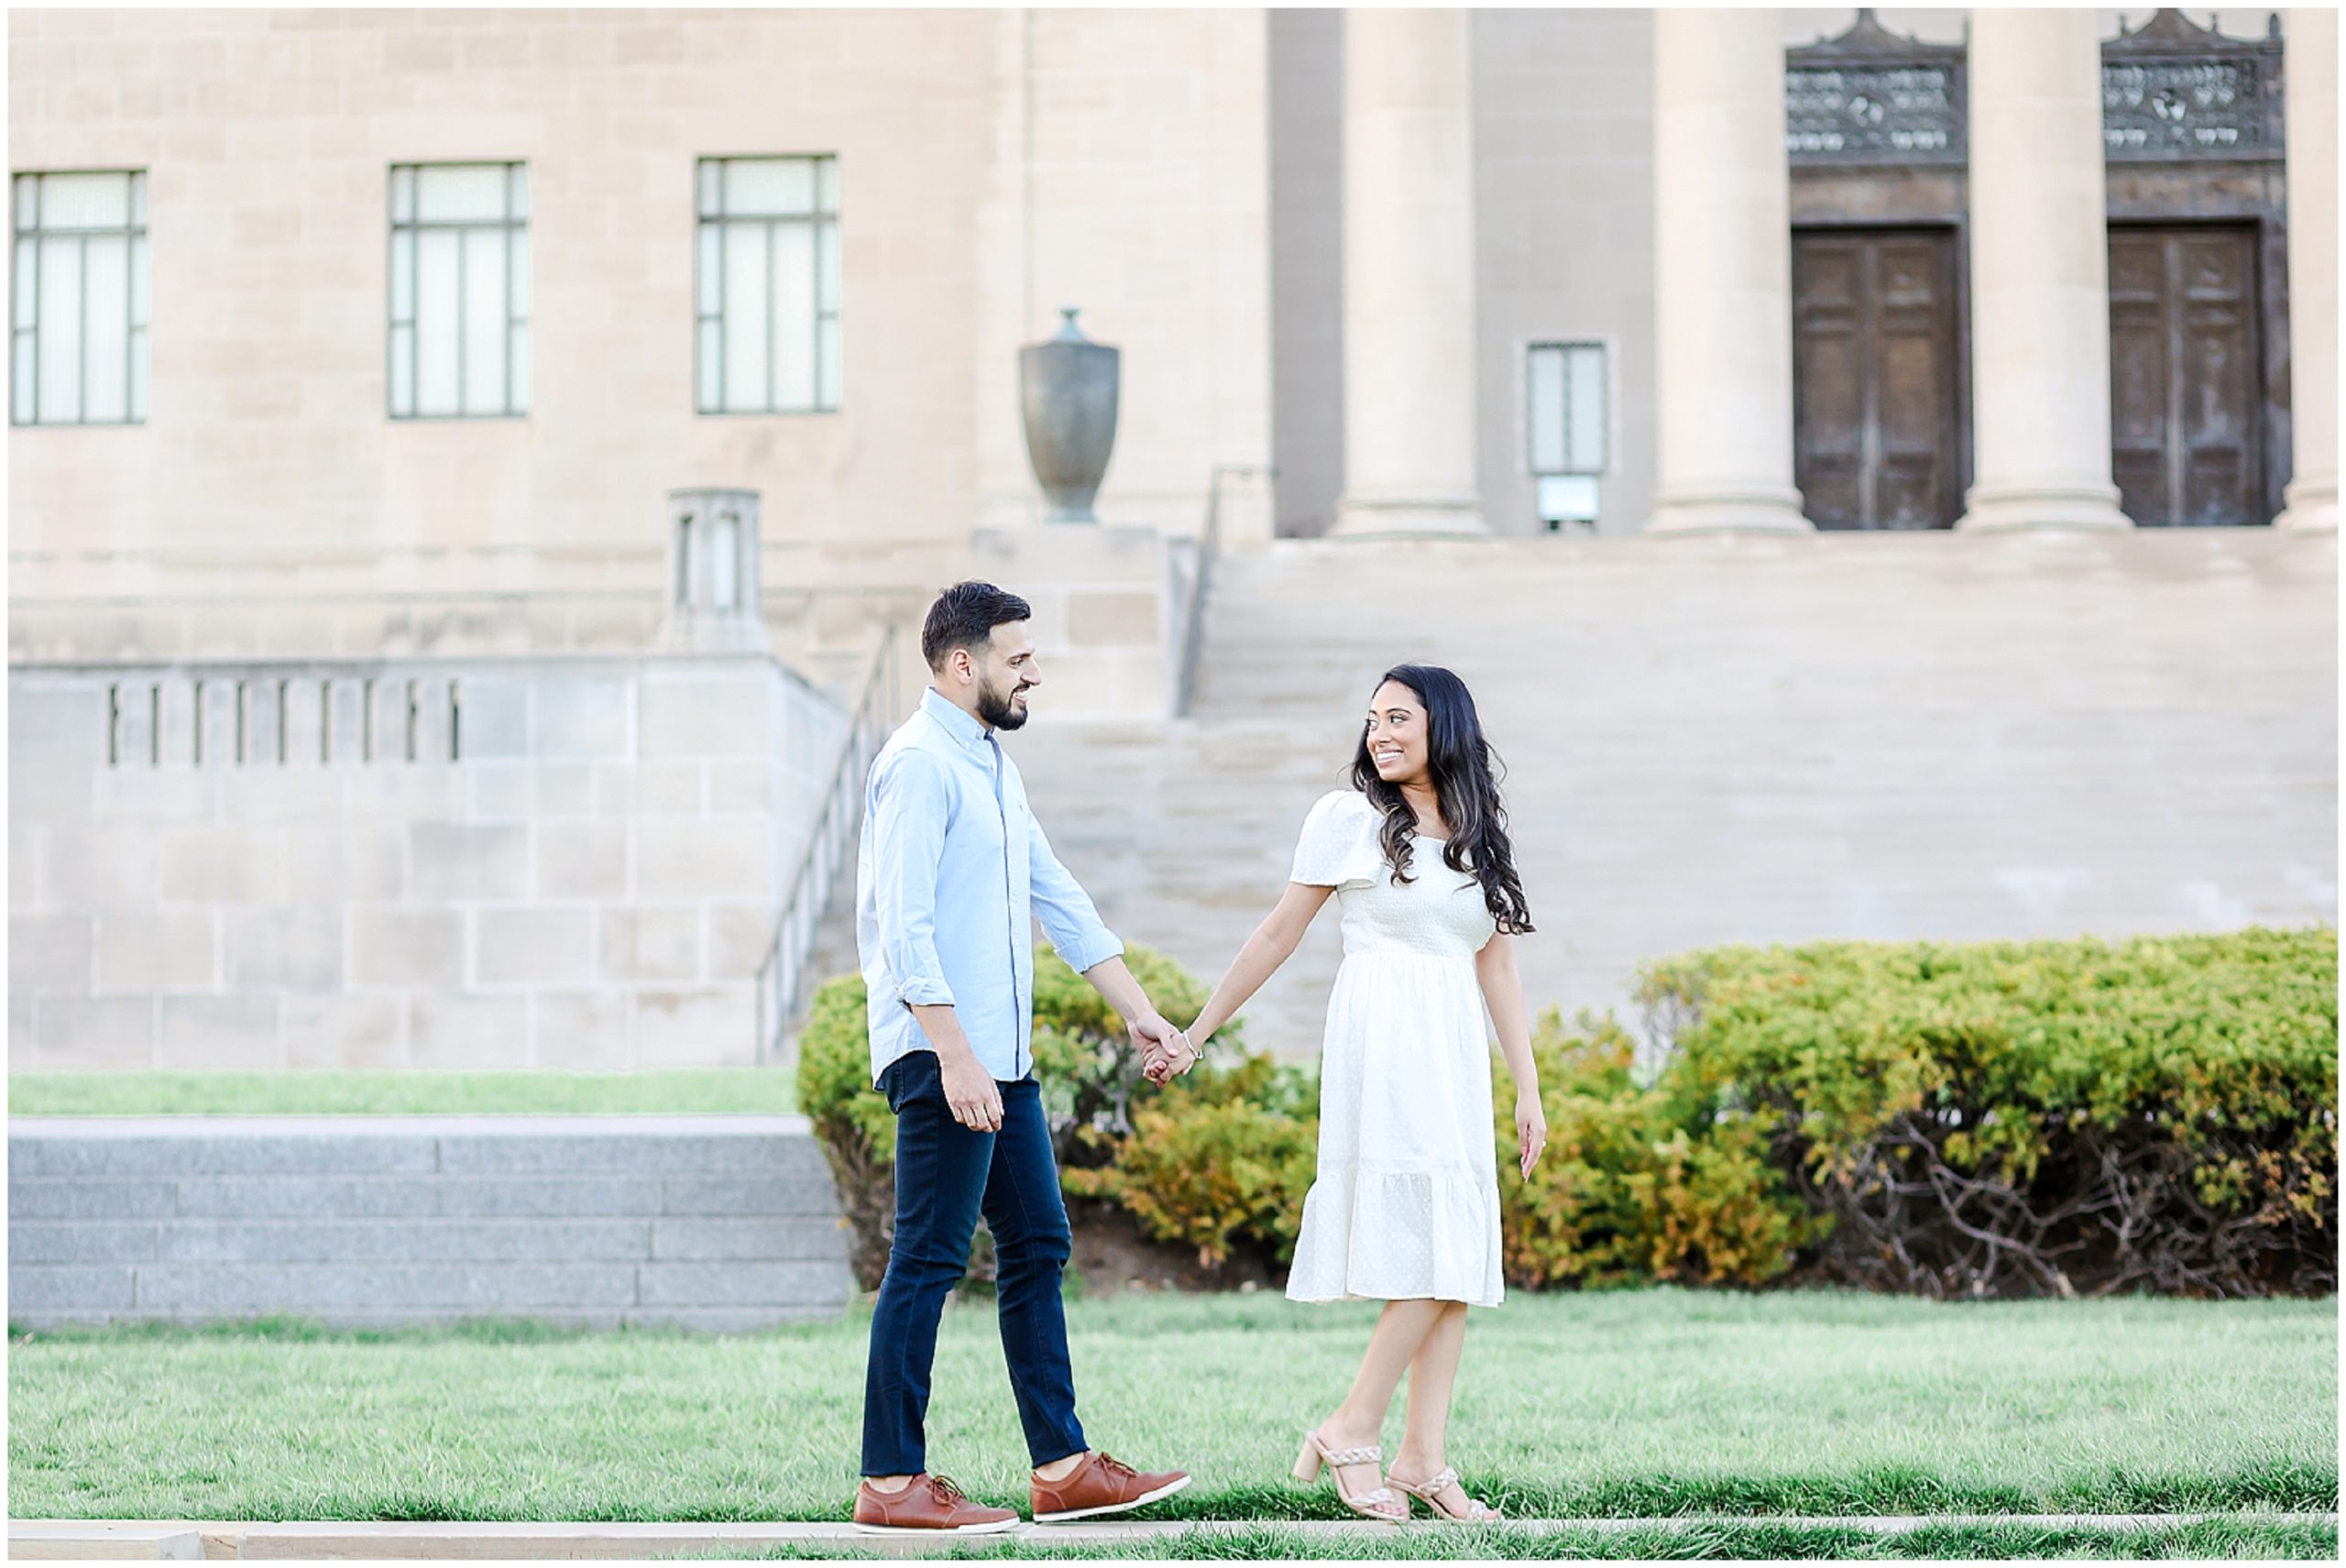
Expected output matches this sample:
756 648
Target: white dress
1406 1200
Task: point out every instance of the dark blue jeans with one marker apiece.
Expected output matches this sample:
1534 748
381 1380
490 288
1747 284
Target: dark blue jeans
945 1175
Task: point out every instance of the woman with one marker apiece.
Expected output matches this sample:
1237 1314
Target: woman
1405 1208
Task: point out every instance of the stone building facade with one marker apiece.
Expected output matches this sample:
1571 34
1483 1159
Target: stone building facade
360 347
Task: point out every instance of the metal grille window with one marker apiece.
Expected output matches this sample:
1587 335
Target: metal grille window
460 290
767 286
79 338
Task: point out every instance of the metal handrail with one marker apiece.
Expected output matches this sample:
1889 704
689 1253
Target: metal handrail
1193 629
781 973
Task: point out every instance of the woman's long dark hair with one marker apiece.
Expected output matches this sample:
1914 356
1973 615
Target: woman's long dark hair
1464 772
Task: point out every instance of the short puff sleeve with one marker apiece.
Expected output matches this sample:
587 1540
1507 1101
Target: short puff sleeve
1339 846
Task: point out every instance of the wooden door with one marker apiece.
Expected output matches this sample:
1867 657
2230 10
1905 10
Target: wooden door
2186 390
1876 421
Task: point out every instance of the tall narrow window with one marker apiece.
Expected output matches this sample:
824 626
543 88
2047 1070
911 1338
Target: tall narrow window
460 290
78 343
766 329
1567 423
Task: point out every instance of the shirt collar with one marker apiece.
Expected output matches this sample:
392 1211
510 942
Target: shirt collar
955 722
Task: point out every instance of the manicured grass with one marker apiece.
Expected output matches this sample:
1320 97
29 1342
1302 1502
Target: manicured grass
2218 1540
395 1093
1648 1403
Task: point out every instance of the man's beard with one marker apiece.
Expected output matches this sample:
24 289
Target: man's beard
994 708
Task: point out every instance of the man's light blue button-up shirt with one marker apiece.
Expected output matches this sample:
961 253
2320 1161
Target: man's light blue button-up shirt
952 872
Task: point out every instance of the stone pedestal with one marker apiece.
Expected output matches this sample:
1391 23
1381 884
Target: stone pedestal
1104 618
2039 275
2311 501
1723 277
1409 276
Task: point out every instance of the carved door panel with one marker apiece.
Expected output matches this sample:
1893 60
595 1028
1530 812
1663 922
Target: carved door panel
2186 390
1876 420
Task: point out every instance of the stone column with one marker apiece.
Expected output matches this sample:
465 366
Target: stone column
2311 500
2039 275
1723 283
1409 276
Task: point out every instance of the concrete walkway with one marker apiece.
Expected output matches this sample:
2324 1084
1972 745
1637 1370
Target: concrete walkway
118 1540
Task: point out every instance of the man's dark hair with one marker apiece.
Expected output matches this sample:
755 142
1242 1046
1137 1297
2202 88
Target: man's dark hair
964 616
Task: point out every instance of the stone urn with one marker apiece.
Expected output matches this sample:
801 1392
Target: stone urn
1067 396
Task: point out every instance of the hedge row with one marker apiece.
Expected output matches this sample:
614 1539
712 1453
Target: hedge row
1981 1119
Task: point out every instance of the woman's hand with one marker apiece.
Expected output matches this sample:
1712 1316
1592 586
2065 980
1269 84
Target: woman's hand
1530 1128
1171 1061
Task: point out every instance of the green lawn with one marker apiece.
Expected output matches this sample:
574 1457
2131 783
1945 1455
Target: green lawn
1648 1403
389 1094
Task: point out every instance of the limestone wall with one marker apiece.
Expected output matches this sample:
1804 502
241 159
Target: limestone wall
539 861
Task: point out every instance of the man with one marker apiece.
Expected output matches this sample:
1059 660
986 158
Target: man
953 868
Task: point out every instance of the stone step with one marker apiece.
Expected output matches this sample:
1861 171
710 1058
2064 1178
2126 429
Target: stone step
1715 741
724 1222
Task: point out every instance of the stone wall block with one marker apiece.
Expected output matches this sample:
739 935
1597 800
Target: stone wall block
455 1030
577 717
236 1033
205 863
649 944
740 935
84 1242
563 789
516 946
436 1240
714 1027
805 1191
733 1284
50 952
581 859
148 949
472 1289
1112 619
670 789
720 858
579 1031
81 1034
501 792
764 1239
707 716
84 1293
493 717
298 947
352 1032
466 861
82 1198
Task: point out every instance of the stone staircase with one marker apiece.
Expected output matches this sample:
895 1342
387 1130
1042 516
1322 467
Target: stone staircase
1715 740
714 1222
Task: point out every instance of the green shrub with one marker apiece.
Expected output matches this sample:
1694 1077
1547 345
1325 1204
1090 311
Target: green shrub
2043 1117
1089 1072
1635 1186
1221 1158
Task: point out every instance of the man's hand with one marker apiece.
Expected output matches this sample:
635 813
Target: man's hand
1165 1054
1154 1038
971 1092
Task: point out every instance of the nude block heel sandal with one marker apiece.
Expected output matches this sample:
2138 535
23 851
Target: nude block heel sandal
1380 1505
1429 1492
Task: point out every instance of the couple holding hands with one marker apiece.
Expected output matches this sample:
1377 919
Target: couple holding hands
952 872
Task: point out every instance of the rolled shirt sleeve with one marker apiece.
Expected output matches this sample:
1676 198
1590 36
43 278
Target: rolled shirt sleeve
1067 914
911 804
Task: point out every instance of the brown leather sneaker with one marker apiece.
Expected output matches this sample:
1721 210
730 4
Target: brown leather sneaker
1101 1486
929 1505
